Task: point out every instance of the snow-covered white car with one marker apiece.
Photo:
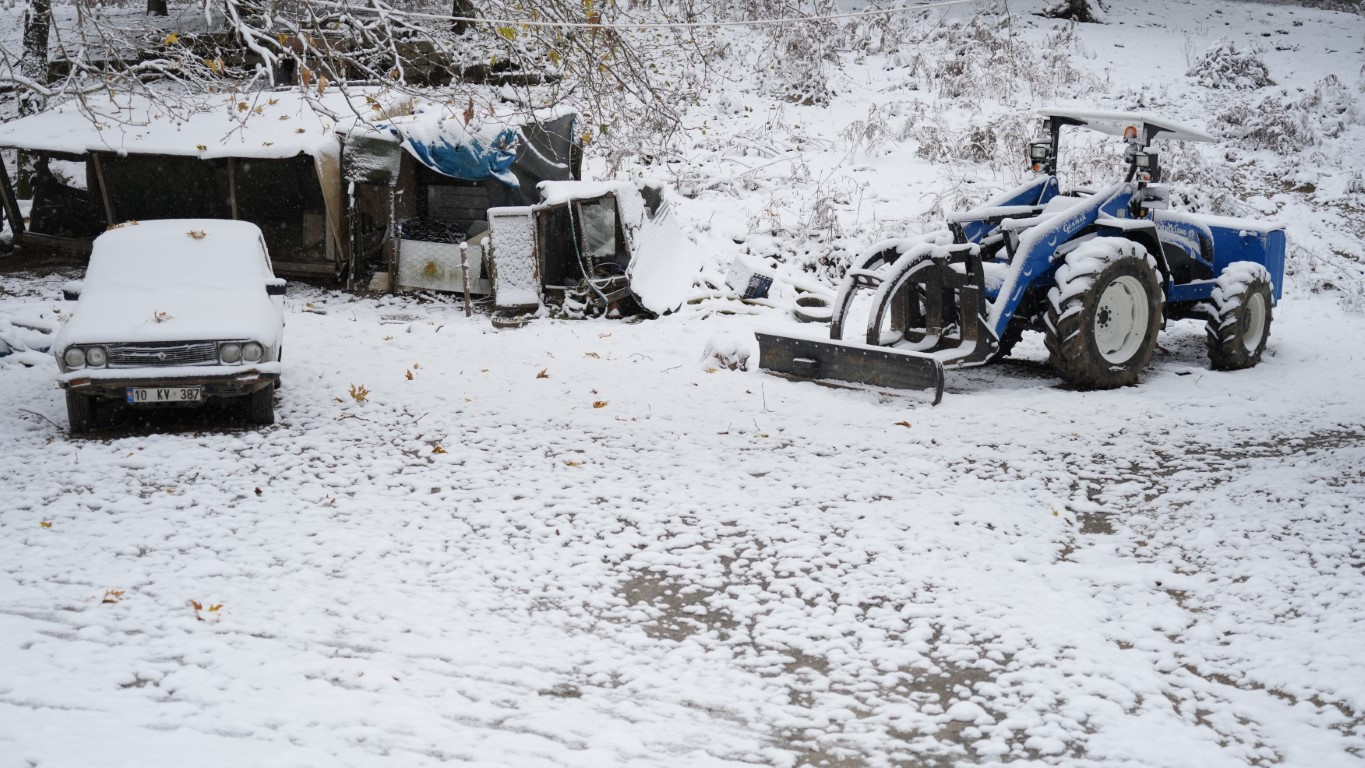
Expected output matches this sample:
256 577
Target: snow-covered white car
173 313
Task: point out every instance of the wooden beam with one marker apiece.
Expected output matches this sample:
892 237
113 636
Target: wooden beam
11 203
232 186
109 219
53 241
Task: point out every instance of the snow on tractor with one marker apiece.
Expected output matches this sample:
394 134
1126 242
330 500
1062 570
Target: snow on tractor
1097 272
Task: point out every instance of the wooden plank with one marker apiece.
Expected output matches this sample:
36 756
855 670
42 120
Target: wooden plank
52 241
232 186
109 219
11 203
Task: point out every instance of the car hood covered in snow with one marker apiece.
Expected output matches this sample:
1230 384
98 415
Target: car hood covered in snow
175 280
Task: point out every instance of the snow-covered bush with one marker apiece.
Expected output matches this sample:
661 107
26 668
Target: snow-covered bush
1273 124
800 56
1286 124
1076 10
1227 65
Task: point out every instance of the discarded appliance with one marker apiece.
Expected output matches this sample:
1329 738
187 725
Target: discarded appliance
586 249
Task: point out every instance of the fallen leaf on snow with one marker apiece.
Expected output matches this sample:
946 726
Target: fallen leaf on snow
437 448
112 596
45 524
544 373
902 423
599 404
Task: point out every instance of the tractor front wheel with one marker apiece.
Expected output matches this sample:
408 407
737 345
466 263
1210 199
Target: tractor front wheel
1104 313
1240 324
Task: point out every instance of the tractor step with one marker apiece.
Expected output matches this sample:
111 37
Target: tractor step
844 361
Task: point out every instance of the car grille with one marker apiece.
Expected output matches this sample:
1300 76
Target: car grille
152 355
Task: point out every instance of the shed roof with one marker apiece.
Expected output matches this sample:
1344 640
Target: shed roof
255 124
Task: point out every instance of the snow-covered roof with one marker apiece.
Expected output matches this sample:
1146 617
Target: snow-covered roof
256 124
1115 123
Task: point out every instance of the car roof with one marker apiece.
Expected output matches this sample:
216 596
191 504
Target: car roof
1115 123
218 235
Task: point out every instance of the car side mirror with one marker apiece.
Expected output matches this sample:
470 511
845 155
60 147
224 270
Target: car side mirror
72 290
275 287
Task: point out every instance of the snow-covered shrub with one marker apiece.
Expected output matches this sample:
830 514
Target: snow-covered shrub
1076 10
1331 106
729 351
1229 66
1285 124
798 57
997 142
1272 124
872 134
985 59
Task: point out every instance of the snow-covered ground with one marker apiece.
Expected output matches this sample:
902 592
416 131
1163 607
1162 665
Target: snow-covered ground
714 567
638 558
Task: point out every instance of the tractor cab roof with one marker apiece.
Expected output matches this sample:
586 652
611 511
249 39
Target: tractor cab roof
1119 123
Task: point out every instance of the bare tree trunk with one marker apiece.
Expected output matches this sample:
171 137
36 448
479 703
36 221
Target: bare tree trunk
33 66
462 8
157 8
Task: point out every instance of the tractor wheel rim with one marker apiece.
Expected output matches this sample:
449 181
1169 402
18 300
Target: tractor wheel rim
1121 320
1255 322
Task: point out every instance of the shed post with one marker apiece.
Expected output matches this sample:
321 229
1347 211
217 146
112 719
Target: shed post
232 186
7 197
109 219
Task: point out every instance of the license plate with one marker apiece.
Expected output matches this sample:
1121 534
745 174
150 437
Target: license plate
140 395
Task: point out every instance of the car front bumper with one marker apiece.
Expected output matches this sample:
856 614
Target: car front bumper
215 382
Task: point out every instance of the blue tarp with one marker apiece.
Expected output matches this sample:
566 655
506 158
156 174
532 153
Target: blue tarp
467 157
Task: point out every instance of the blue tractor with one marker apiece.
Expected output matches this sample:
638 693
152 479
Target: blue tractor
1098 272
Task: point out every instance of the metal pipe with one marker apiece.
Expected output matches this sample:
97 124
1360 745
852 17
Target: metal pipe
464 273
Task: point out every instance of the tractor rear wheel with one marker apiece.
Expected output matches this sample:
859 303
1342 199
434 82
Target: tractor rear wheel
1104 313
1240 325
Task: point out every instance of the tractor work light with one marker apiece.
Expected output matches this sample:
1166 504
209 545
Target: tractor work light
1039 150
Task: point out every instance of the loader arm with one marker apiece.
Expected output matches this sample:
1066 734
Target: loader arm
1039 238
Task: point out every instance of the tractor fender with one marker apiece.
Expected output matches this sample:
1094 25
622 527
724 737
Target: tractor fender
1140 231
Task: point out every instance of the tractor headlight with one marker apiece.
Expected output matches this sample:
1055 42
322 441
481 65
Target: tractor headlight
96 357
1039 150
252 352
74 357
230 352
1143 160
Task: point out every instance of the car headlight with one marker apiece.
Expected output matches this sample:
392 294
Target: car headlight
230 352
74 357
252 352
96 357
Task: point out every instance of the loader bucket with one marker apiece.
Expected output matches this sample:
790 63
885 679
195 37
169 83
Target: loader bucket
844 361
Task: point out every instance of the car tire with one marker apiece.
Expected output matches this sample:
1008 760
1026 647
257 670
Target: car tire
1104 313
261 405
80 412
1240 323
